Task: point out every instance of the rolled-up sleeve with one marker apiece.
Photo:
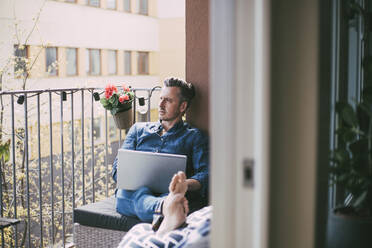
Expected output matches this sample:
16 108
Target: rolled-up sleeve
200 160
130 143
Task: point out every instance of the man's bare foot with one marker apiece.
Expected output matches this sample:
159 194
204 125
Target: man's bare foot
178 183
175 206
175 210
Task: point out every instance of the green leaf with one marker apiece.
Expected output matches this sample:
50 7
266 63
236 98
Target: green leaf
347 113
114 111
340 156
5 151
359 201
347 134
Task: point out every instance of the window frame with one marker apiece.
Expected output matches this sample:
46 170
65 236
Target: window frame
56 61
109 62
140 7
17 63
346 71
140 70
116 5
89 58
128 64
76 62
130 6
88 3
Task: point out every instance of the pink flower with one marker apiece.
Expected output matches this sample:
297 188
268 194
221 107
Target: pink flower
125 88
109 90
126 97
122 98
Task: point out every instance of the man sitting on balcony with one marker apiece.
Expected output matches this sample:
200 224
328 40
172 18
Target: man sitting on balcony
169 135
175 230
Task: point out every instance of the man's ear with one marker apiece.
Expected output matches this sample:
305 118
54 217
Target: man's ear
183 106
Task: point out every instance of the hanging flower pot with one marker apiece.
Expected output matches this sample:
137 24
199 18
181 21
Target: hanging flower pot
124 120
120 105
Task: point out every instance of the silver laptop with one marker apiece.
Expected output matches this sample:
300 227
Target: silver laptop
154 170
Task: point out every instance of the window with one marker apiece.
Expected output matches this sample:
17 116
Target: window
143 63
51 61
127 6
93 62
20 53
71 59
111 4
70 1
112 62
94 3
128 62
142 7
347 69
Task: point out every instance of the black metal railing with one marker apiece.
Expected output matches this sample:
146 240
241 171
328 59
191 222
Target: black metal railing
56 152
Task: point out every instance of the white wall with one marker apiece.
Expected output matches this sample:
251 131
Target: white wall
171 8
85 26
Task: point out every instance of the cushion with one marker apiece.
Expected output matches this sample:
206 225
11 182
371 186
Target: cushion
103 214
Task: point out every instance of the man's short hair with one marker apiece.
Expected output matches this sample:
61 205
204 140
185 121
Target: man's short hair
187 89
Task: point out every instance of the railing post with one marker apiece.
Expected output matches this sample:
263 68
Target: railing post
106 153
40 184
62 173
72 153
92 144
27 172
14 169
51 165
82 145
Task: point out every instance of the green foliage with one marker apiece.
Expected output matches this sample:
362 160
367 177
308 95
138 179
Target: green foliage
4 151
114 105
352 159
117 101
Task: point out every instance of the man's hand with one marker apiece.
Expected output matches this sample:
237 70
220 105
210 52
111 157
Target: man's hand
193 184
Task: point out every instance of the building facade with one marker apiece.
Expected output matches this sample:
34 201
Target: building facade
88 43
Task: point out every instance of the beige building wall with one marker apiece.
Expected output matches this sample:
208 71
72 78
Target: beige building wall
120 62
61 61
81 52
104 64
154 63
36 56
172 42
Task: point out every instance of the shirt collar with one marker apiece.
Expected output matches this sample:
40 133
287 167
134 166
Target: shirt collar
176 126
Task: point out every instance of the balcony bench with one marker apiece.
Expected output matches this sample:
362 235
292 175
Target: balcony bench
99 225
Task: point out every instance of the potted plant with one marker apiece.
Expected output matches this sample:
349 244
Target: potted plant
350 225
119 102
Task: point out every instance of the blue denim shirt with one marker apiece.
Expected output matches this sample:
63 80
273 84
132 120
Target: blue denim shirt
180 139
